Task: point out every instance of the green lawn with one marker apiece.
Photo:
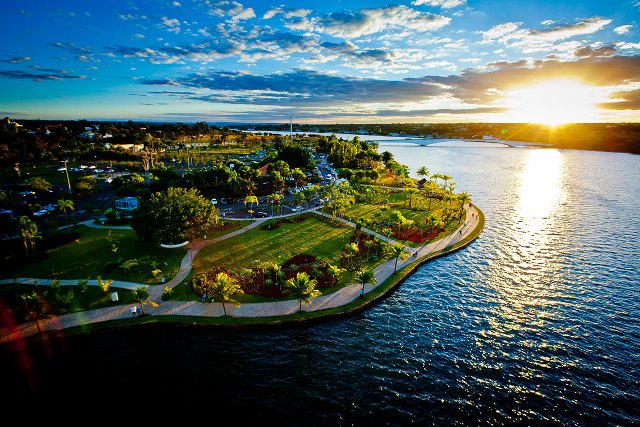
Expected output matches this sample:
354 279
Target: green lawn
225 226
312 236
92 251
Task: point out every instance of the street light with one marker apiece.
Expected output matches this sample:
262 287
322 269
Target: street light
66 171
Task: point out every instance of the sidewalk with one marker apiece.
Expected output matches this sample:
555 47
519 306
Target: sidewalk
339 298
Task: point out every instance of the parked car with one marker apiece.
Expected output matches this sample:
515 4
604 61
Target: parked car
260 215
214 201
223 201
297 209
41 212
317 202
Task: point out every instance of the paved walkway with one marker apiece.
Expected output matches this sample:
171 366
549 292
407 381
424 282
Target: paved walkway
339 298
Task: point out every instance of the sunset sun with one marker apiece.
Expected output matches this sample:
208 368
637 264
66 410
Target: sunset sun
554 102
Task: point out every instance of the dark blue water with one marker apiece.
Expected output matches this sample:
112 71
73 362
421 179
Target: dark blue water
537 322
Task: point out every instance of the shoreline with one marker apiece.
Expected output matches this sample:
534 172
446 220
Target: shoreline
177 313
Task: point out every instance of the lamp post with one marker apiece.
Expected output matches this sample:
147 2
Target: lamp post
66 171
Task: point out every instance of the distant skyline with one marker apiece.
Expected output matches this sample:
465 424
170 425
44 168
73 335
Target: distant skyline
343 61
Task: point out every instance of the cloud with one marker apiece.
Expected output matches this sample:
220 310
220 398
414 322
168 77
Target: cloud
138 35
131 17
622 29
445 4
72 48
624 100
176 4
630 46
479 87
40 75
170 22
286 12
353 24
234 10
16 60
299 87
589 52
530 40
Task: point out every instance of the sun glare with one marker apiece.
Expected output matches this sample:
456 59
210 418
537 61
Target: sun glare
554 102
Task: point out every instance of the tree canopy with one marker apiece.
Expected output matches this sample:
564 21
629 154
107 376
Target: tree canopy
174 216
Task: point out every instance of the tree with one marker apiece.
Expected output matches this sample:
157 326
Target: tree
83 287
29 233
368 244
38 184
399 219
298 176
334 271
277 180
223 289
174 216
56 296
366 277
104 284
141 294
303 288
350 252
275 199
65 206
397 251
423 171
463 198
35 306
250 200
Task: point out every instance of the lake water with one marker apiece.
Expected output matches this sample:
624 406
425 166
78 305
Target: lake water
537 322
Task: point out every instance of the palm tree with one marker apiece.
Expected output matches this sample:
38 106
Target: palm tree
464 198
398 218
397 251
277 271
334 271
423 171
446 179
302 288
141 294
35 307
29 233
366 277
65 206
224 288
368 244
104 284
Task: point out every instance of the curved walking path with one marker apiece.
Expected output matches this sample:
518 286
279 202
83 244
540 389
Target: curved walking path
338 298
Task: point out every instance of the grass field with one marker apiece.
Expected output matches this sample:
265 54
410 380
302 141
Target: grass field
87 256
312 236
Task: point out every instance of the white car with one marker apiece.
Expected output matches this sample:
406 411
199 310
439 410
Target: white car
41 212
297 209
214 201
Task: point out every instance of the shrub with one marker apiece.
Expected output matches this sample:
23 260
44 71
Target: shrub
167 294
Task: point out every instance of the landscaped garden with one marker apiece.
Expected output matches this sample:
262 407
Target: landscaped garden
410 216
262 259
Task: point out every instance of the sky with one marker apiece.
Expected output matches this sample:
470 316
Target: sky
340 61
